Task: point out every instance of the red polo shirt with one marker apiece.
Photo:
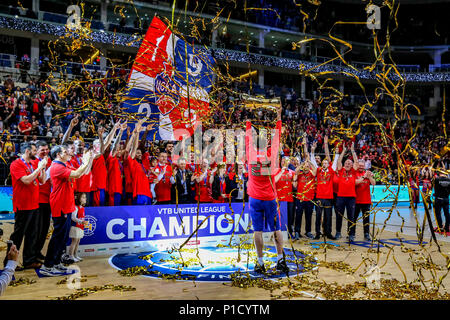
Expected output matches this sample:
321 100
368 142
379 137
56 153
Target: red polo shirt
99 173
115 175
62 199
163 189
204 188
324 188
306 186
363 189
141 186
346 184
127 170
284 186
82 184
25 196
46 188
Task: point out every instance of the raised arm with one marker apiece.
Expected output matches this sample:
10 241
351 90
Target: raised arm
72 125
327 150
144 136
115 145
110 137
355 157
341 156
312 156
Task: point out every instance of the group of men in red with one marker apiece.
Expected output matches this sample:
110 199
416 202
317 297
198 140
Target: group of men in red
309 186
114 173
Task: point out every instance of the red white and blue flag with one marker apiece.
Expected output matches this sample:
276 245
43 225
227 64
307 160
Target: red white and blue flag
169 83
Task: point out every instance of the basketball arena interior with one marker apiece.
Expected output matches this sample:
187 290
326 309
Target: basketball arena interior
224 150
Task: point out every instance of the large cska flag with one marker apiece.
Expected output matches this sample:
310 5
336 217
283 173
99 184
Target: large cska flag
169 83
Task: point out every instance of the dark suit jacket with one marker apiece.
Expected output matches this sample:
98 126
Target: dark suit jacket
179 186
232 187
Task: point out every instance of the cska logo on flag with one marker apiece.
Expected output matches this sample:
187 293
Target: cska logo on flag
167 96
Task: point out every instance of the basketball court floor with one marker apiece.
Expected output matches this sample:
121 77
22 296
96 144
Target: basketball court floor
395 265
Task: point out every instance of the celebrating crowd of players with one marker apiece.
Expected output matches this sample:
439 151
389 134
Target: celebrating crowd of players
114 172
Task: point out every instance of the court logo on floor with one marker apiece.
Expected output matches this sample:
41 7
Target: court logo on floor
209 263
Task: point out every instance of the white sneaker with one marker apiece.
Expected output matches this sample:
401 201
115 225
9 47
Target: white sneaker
78 258
61 268
50 272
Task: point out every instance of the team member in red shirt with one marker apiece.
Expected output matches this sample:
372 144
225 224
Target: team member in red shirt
44 214
114 164
99 171
324 200
305 183
165 180
139 171
203 179
364 179
346 196
62 203
324 195
25 185
83 184
283 182
262 192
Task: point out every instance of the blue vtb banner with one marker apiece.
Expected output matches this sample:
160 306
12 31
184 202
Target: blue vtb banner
162 222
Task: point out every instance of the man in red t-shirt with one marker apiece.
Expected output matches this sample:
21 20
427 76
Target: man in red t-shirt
324 195
264 209
165 180
283 183
44 214
83 184
203 179
25 182
364 179
25 126
99 170
62 204
114 164
139 171
305 183
346 193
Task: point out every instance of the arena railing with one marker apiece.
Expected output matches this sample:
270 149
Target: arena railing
284 63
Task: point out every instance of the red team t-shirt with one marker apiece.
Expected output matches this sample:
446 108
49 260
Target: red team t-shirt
324 189
141 185
99 173
346 184
203 188
363 189
25 196
62 199
115 175
46 188
306 186
82 184
261 186
284 186
127 170
163 189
